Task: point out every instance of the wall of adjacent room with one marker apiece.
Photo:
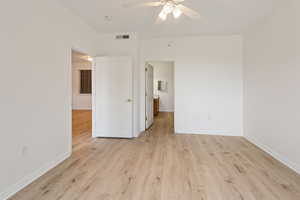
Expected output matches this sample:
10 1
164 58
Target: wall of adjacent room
164 71
80 101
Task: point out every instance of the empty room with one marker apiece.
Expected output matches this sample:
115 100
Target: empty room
150 100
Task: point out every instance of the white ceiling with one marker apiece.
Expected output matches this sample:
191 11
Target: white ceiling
218 17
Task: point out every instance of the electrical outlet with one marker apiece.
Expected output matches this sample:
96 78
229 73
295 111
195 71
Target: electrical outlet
209 117
24 151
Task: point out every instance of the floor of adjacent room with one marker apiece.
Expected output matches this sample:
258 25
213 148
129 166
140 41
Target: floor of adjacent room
81 128
162 165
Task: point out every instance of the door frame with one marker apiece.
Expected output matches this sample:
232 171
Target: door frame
144 112
70 67
146 80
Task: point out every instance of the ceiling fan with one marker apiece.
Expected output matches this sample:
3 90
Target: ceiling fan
168 7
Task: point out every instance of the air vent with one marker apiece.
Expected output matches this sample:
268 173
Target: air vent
123 37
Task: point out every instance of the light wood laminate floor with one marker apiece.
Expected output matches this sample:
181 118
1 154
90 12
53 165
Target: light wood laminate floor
163 166
81 127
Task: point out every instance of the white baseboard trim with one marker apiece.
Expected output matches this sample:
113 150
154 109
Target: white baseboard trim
207 132
13 189
295 167
81 108
166 111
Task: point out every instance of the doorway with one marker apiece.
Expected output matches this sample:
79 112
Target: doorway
81 98
159 90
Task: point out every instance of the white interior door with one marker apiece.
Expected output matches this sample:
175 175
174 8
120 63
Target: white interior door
112 97
149 96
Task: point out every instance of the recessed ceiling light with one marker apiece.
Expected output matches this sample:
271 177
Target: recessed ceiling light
107 18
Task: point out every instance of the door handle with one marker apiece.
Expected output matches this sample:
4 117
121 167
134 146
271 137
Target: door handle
129 100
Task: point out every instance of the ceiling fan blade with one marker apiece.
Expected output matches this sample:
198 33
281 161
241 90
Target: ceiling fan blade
158 20
189 12
146 4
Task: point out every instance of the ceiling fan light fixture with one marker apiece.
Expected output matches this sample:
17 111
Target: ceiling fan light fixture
177 12
163 16
168 8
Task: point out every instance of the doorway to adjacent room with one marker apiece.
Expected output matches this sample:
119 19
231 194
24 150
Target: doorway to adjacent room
81 98
159 90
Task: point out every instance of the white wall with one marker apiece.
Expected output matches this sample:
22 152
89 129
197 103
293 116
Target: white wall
80 101
164 71
272 80
208 82
36 38
107 45
214 108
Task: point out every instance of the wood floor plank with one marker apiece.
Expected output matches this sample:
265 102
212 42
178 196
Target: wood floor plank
160 165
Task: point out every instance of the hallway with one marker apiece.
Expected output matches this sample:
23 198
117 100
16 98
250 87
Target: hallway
160 165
